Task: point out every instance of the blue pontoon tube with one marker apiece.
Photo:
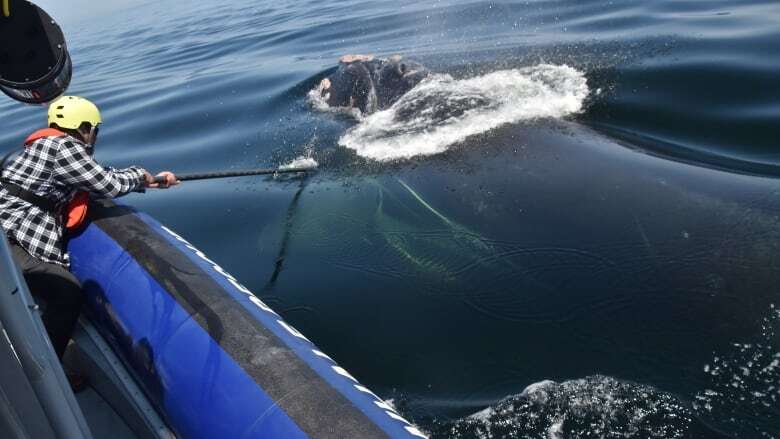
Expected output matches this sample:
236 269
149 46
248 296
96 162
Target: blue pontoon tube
213 358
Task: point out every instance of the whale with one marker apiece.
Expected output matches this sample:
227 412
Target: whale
367 84
633 264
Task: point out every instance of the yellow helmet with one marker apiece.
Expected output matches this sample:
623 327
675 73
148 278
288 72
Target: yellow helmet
71 111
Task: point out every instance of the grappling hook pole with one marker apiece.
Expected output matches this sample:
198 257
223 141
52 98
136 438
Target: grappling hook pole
236 173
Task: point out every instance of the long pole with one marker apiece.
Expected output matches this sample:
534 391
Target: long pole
237 173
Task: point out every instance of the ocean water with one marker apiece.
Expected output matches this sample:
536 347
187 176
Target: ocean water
570 230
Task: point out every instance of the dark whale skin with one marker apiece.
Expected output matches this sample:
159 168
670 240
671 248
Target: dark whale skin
373 85
631 263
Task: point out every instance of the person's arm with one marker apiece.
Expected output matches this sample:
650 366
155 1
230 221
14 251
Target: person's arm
75 167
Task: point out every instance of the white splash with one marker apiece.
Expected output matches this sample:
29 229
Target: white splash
300 162
594 406
535 387
441 111
319 102
483 415
743 391
556 429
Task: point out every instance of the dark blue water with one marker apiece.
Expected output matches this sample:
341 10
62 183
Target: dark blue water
614 247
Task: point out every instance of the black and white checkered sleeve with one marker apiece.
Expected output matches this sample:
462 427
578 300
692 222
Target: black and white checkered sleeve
76 167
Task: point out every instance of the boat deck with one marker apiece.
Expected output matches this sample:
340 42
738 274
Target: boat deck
102 419
113 405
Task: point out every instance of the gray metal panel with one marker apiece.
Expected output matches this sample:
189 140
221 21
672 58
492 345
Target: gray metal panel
21 416
37 360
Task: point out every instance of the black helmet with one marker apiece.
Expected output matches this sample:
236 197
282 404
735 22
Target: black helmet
35 66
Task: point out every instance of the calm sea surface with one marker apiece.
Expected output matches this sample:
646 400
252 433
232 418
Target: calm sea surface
594 253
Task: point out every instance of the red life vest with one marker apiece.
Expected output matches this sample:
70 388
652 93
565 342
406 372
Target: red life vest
76 210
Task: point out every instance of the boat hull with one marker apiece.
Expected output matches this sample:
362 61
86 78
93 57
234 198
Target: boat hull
214 359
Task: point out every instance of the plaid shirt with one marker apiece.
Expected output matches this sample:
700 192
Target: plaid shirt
56 168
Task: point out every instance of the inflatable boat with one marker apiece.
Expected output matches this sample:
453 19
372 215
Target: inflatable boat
173 346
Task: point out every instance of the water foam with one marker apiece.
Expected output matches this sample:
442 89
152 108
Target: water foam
743 393
442 111
595 406
301 162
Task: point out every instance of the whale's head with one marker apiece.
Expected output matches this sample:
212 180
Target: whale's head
397 77
370 84
351 86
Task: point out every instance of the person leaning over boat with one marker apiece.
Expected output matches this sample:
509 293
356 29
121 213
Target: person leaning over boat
56 165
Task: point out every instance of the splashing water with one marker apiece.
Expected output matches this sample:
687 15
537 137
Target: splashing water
300 162
442 111
748 374
596 406
741 401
